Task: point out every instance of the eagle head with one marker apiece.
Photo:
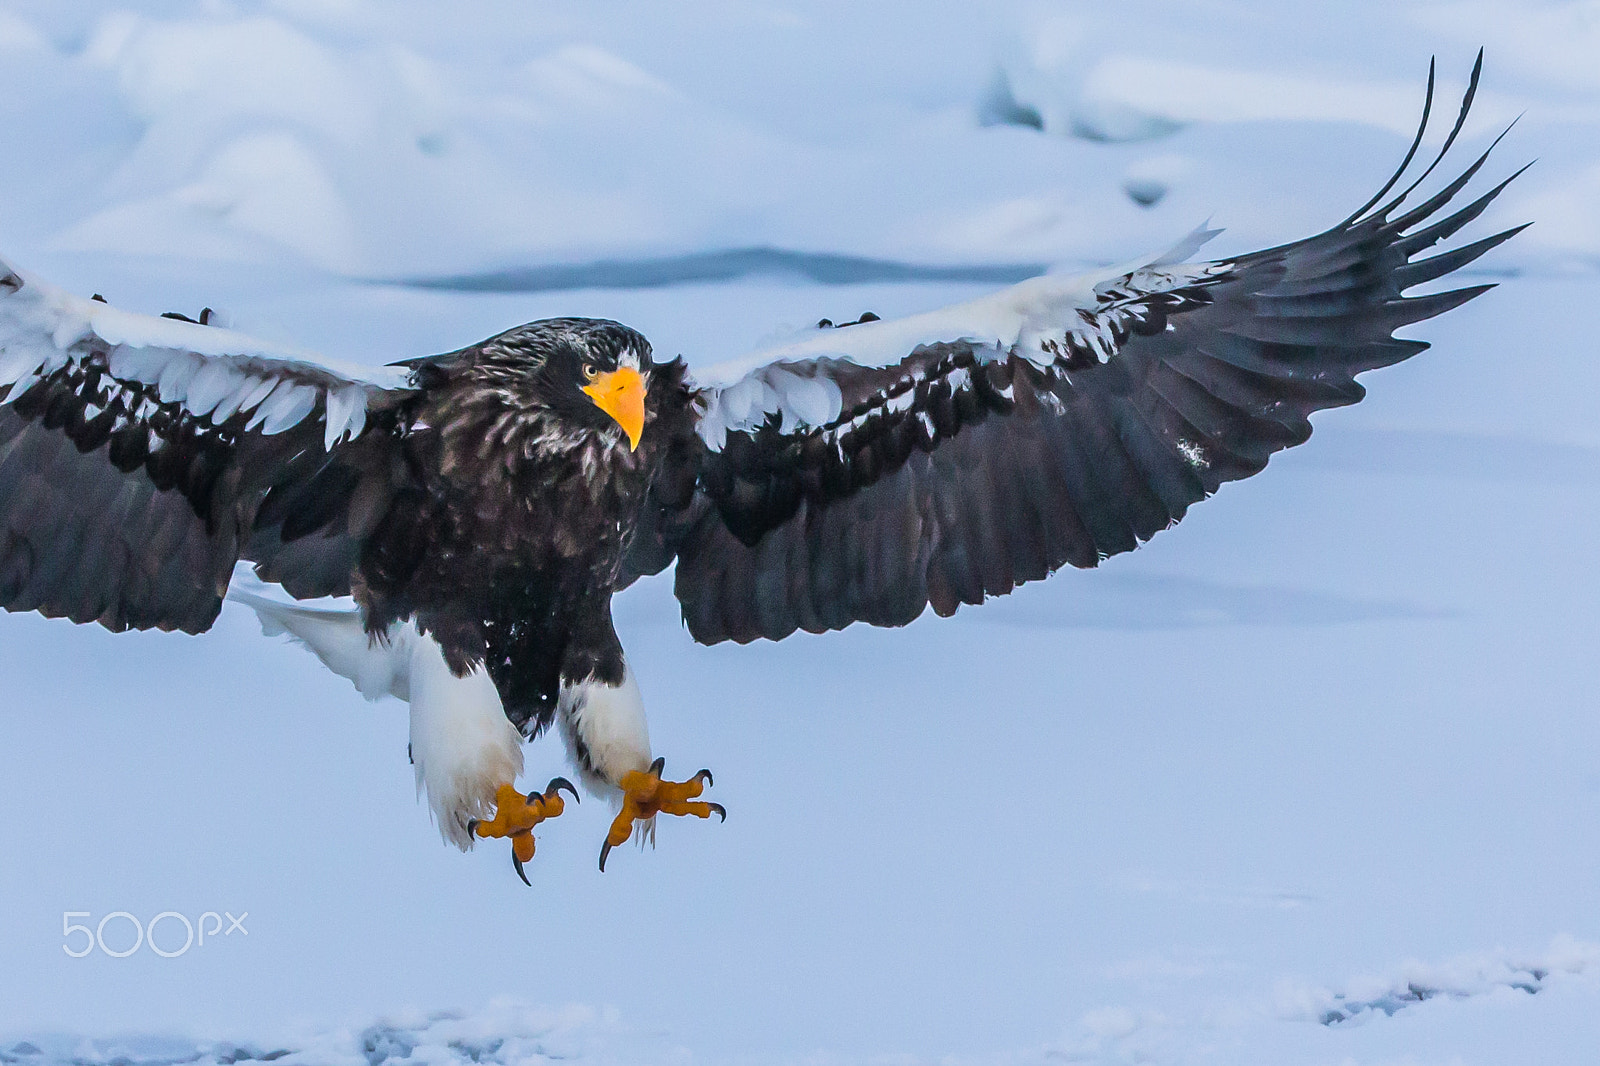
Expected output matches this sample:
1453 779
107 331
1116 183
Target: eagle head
594 372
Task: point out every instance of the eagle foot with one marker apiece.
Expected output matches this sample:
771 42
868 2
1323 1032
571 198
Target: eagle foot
645 794
515 815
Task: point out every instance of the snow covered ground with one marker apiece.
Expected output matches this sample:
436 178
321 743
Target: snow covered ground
1313 778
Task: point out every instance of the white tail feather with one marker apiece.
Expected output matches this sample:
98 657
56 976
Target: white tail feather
378 668
463 747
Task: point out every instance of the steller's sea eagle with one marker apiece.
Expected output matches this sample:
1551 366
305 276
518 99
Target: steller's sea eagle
482 507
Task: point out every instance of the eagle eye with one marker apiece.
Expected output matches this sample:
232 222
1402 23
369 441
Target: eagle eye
589 371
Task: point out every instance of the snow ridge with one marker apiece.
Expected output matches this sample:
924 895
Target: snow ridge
505 1032
1464 977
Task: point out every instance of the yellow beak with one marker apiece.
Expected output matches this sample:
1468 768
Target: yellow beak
620 394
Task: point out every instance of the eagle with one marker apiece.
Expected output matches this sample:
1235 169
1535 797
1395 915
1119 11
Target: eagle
481 508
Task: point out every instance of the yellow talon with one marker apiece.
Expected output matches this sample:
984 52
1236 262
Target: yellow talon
515 815
645 794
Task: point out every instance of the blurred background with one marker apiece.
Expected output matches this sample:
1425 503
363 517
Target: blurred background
1311 778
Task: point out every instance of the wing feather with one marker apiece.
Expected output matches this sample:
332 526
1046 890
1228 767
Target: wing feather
136 451
1057 422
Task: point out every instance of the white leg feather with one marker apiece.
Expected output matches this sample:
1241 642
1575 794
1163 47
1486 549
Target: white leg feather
605 731
462 744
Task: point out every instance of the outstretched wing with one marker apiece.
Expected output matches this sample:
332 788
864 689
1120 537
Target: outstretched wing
141 457
871 470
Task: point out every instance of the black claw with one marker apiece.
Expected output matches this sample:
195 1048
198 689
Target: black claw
557 783
718 808
706 774
520 871
605 849
659 765
472 828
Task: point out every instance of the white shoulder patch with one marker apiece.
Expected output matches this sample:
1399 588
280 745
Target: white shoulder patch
1029 319
212 372
794 392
